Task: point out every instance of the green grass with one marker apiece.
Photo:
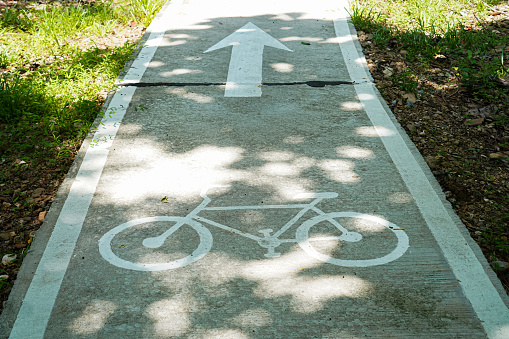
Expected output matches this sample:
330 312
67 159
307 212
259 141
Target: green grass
57 98
143 11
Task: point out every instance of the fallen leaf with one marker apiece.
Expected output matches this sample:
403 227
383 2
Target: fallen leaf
388 72
42 215
410 97
165 199
474 122
305 43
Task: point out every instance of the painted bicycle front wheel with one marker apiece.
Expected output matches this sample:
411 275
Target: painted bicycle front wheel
381 243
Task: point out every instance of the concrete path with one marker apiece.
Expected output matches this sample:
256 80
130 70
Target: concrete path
248 181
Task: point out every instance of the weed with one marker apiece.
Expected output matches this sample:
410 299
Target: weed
5 56
3 280
14 18
405 81
14 95
143 11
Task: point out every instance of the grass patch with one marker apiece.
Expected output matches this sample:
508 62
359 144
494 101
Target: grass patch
55 66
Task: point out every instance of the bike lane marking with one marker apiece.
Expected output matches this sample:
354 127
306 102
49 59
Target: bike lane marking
465 264
362 91
40 297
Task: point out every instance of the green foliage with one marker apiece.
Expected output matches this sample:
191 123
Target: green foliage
14 18
5 56
50 82
143 11
426 29
14 97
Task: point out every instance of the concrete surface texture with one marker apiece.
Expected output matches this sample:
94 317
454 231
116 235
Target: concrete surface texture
249 182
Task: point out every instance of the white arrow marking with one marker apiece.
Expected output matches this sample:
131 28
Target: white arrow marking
245 72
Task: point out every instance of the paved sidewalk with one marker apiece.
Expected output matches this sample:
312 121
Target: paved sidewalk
248 181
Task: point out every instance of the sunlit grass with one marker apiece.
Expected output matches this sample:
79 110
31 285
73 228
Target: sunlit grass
55 69
427 29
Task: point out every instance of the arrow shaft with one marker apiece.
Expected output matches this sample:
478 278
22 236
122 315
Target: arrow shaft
245 71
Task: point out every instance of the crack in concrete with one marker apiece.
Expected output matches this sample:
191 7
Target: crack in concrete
191 84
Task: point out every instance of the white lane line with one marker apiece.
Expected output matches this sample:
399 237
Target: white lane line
477 287
40 298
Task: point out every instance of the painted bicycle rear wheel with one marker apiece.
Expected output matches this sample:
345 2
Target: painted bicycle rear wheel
123 247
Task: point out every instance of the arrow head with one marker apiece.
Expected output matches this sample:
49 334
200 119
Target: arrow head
249 34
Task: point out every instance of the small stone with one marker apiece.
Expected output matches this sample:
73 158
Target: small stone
411 127
500 265
42 215
8 258
410 97
388 72
37 192
499 155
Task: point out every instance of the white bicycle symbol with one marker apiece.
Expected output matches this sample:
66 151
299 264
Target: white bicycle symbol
268 241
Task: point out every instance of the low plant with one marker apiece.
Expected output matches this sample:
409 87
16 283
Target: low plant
14 97
143 11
